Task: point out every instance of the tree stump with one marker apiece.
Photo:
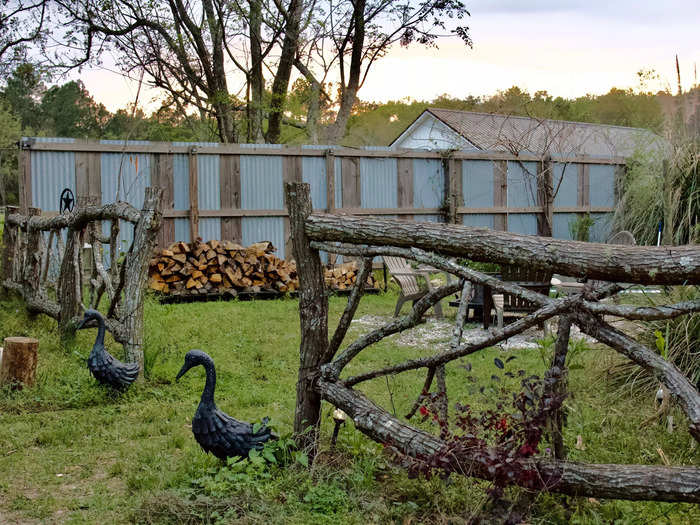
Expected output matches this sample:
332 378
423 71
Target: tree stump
19 358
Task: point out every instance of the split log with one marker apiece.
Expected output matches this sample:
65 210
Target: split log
18 361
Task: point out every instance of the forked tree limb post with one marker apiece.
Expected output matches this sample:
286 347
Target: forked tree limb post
8 245
25 270
313 317
136 274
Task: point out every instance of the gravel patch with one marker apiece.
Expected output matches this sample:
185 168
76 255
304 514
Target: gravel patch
435 334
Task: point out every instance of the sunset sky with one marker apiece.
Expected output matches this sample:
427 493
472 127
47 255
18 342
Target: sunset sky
568 48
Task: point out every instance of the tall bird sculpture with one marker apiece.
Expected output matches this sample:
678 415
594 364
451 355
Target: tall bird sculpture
106 369
215 431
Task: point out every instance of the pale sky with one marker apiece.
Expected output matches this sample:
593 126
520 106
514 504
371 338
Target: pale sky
568 48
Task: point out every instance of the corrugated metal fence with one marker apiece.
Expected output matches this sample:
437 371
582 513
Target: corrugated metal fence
223 191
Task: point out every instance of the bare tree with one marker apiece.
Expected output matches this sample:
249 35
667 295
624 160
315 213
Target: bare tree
196 51
183 46
22 22
355 34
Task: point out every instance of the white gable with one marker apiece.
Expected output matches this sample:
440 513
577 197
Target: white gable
429 133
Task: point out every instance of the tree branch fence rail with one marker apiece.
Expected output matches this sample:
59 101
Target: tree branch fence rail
323 360
35 246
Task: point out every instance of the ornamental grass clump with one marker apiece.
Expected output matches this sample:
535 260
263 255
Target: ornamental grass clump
676 340
662 189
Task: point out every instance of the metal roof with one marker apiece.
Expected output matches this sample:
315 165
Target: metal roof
516 134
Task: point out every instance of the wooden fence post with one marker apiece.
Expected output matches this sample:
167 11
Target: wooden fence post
25 177
162 177
545 219
330 181
404 186
313 315
194 193
500 193
230 196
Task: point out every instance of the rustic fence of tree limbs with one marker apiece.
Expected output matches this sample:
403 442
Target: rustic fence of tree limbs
324 359
35 248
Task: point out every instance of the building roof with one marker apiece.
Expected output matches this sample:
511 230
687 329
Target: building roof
516 134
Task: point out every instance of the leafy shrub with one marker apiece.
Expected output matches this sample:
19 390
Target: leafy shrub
497 440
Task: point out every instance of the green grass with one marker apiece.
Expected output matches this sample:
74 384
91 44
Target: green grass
73 452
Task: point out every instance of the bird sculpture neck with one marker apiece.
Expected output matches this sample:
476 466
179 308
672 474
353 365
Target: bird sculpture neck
100 341
210 385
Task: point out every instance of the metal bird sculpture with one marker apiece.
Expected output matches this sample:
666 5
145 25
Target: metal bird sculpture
215 431
106 369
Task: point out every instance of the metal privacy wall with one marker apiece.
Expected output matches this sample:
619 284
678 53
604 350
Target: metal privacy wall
224 191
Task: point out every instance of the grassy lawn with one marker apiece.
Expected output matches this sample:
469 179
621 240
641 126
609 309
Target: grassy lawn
73 452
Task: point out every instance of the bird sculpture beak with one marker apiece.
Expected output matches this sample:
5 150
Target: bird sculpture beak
182 371
82 323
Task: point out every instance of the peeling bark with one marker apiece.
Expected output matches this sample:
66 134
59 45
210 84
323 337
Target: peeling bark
313 318
637 264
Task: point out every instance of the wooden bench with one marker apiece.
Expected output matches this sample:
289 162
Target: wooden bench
533 279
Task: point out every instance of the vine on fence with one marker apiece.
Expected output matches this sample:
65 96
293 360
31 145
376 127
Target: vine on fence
36 248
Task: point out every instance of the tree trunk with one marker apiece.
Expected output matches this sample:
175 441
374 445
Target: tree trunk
257 81
348 94
313 113
638 264
313 316
220 95
8 244
284 71
18 361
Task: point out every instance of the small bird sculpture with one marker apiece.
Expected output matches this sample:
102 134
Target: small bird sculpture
215 431
106 369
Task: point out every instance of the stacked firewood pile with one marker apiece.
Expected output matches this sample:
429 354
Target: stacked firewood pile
217 267
344 276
